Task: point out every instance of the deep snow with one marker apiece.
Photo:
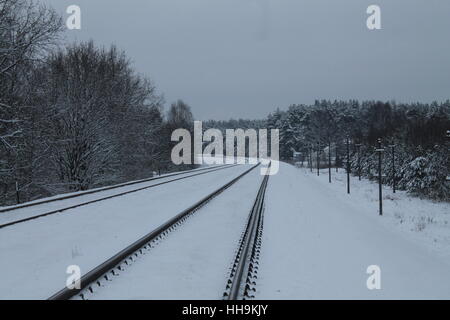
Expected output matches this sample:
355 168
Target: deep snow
35 254
194 261
318 243
85 196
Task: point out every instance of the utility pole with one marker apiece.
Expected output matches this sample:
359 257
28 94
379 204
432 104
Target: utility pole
358 147
393 166
318 158
380 151
348 165
448 136
329 161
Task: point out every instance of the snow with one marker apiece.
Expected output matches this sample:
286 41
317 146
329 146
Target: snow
194 261
26 212
318 243
35 254
423 221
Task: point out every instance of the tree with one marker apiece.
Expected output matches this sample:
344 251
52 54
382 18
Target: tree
100 115
179 116
417 130
27 32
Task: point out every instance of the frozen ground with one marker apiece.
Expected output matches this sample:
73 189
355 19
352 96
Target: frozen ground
318 242
26 212
35 254
194 261
424 221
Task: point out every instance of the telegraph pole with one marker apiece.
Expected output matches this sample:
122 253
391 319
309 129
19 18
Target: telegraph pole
329 161
448 136
393 166
348 165
380 151
318 157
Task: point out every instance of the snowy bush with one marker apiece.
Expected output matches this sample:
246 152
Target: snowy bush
414 175
426 176
436 175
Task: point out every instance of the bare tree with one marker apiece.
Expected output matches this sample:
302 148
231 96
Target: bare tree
101 116
27 31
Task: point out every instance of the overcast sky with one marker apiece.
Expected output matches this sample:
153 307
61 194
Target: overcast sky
245 58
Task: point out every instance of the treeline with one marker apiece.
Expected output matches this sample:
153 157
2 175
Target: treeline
222 125
418 131
74 117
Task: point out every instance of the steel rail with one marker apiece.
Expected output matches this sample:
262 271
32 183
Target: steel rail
102 269
96 190
248 242
108 197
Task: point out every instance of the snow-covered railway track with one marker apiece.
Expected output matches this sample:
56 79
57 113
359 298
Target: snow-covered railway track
117 262
36 205
244 271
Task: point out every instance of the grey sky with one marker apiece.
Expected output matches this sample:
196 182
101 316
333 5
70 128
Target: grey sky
244 58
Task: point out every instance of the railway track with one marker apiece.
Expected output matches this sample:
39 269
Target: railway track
112 266
242 280
196 172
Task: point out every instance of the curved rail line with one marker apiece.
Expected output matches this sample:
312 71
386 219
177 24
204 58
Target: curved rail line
102 270
244 270
204 171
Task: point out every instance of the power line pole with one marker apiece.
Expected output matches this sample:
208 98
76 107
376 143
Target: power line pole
448 136
318 158
380 151
348 165
329 161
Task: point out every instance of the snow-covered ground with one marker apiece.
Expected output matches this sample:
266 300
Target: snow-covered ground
318 242
424 221
134 182
194 261
35 254
85 196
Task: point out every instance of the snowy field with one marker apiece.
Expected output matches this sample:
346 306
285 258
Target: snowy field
38 251
194 261
424 221
23 212
318 241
